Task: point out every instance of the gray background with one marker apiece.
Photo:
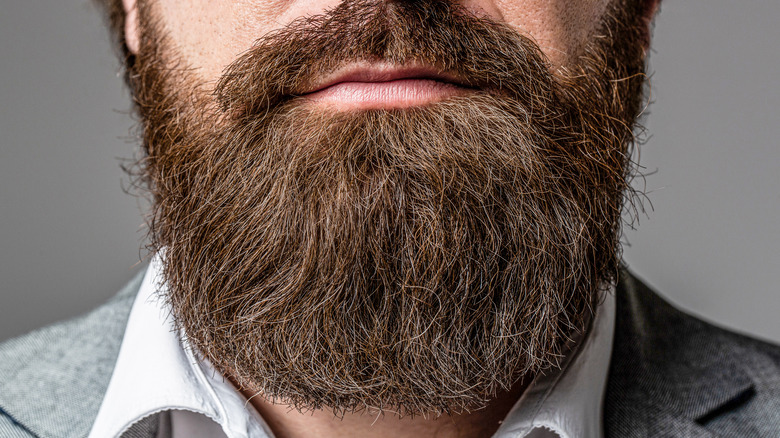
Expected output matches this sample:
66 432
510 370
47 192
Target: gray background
69 237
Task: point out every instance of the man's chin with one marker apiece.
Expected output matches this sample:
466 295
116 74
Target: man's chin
414 259
407 260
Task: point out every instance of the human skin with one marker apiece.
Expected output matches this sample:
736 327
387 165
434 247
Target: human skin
210 35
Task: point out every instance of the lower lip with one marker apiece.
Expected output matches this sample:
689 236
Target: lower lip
402 93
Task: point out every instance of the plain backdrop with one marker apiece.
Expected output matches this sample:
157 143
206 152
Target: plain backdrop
70 237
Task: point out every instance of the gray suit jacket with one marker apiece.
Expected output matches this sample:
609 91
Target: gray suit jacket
671 375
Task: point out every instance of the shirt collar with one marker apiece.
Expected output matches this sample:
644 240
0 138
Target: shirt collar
570 402
155 371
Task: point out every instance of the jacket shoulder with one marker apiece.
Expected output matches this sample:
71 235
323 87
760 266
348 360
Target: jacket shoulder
667 332
52 380
673 372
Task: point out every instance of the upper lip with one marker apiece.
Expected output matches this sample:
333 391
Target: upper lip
383 72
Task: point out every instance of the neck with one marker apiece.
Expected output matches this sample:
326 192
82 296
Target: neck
287 422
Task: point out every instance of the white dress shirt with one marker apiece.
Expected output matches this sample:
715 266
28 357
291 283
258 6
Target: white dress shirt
156 371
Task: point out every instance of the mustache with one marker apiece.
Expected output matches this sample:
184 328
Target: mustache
478 51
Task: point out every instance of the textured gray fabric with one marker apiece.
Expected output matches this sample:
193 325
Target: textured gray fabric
150 426
10 429
758 412
671 375
52 380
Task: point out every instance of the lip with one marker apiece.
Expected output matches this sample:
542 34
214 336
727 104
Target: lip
383 85
384 72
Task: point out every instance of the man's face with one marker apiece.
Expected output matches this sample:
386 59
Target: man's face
430 232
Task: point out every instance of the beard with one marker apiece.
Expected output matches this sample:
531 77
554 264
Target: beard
417 260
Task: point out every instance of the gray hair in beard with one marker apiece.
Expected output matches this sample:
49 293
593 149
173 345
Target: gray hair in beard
416 260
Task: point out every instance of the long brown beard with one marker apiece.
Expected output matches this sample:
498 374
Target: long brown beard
415 260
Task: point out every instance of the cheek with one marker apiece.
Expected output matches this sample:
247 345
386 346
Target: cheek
207 34
560 27
211 34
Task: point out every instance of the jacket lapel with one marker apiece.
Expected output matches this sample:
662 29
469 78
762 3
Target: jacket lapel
52 380
670 373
